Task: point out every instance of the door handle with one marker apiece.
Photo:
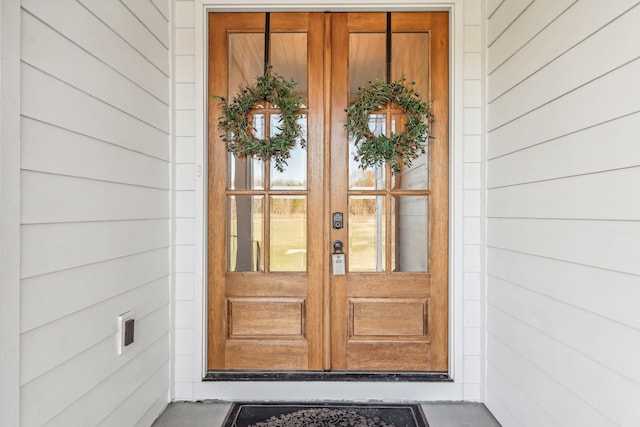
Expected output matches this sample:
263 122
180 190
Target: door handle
338 259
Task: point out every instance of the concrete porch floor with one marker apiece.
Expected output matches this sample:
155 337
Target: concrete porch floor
441 414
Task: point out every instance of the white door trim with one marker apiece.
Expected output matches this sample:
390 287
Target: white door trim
320 390
10 213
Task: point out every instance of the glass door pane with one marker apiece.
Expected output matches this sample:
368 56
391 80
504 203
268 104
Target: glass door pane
245 235
367 231
288 233
409 233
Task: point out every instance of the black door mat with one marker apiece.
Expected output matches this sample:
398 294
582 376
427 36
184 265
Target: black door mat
324 415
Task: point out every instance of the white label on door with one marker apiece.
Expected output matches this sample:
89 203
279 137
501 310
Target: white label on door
338 264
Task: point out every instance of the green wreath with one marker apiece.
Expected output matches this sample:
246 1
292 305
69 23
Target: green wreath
400 148
238 132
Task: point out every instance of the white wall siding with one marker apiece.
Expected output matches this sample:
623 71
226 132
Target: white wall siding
472 223
95 211
187 370
563 213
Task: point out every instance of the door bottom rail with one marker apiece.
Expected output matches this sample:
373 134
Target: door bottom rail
382 376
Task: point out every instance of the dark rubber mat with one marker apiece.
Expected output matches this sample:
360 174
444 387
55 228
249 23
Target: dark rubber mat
324 415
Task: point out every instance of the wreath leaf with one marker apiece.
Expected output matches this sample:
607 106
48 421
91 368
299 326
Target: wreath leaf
400 148
238 133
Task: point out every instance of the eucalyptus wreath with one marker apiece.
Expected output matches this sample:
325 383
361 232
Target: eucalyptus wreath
399 148
238 132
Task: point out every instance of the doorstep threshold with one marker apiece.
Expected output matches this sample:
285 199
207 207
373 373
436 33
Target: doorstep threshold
355 376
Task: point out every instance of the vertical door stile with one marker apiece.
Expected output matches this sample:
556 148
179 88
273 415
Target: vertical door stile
339 179
326 192
316 152
439 206
217 170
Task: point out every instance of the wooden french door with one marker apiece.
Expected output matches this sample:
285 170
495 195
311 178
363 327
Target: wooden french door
274 302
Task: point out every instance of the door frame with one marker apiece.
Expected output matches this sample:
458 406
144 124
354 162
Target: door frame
198 369
319 297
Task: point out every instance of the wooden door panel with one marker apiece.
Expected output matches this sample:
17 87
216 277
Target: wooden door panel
255 284
311 319
257 355
399 285
266 318
380 318
390 355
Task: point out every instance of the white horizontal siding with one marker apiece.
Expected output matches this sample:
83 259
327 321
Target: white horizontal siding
603 341
93 407
492 6
135 406
43 51
530 22
52 247
571 283
605 244
580 21
141 26
90 369
56 198
579 109
53 101
90 285
563 214
591 150
575 68
152 18
162 6
87 157
95 211
49 346
566 364
71 19
560 403
154 411
510 404
570 198
503 17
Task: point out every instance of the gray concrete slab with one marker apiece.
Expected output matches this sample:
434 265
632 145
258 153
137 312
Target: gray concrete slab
193 414
212 414
455 414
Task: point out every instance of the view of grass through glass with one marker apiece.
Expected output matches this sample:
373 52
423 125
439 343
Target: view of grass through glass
288 233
